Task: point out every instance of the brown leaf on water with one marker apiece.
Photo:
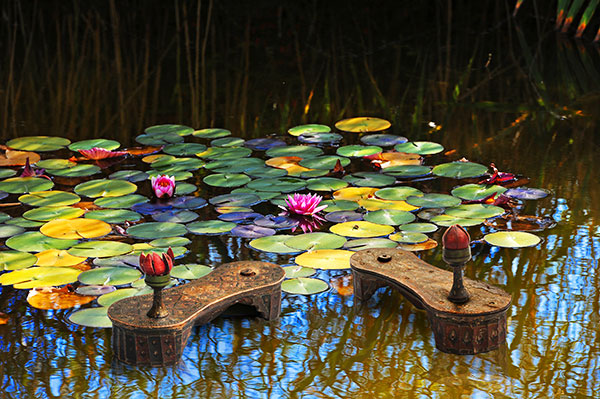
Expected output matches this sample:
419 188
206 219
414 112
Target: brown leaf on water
423 246
56 298
4 318
18 158
143 150
87 206
343 284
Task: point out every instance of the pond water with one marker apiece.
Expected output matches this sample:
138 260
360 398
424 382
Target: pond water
487 86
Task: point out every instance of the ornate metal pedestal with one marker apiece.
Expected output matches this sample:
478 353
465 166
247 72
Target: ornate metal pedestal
478 325
139 339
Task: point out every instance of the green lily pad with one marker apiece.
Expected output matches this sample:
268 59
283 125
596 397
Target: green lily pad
448 220
210 227
310 174
263 195
49 198
226 180
476 211
178 175
326 162
419 147
433 201
370 179
274 244
339 205
304 286
154 230
391 217
22 222
78 170
302 151
124 202
227 142
512 239
319 138
55 163
4 173
105 188
459 170
398 193
262 171
212 133
112 297
361 229
15 260
279 184
383 140
366 243
34 241
310 128
38 143
146 248
4 217
100 249
9 230
190 272
114 215
325 184
175 216
317 240
109 276
295 271
21 185
407 171
94 143
170 166
185 188
170 242
405 237
132 176
159 139
158 130
222 153
241 165
235 199
92 317
475 192
181 149
34 277
47 213
358 150
419 227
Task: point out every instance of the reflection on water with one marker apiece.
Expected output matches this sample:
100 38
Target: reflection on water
531 109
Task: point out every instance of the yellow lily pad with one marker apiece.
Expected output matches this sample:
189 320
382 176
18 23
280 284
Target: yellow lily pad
375 204
40 277
361 229
354 193
290 164
57 257
325 259
73 229
362 124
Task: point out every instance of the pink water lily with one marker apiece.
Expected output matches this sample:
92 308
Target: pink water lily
98 153
304 204
163 186
30 171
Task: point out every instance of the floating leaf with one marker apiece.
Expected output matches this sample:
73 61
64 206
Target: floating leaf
227 142
18 158
187 202
279 184
383 140
170 242
4 217
366 243
40 277
109 276
288 164
159 139
476 211
49 198
522 193
339 205
159 130
343 216
448 220
22 222
154 230
475 192
190 271
4 173
327 162
78 170
521 223
397 193
132 176
55 164
310 128
325 184
112 297
235 199
459 170
73 229
14 260
105 188
318 240
56 298
361 229
211 133
422 246
234 209
392 217
295 271
263 144
100 249
370 179
222 153
175 216
405 237
210 227
239 216
57 257
113 215
275 244
38 143
325 259
511 239
262 171
47 213
433 201
407 171
427 214
376 204
170 166
124 202
358 150
302 151
276 222
419 147
241 165
181 149
304 286
34 241
7 230
226 180
20 185
251 231
319 138
95 290
419 227
362 124
354 194
92 317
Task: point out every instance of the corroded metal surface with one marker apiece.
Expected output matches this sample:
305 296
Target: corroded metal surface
139 339
478 325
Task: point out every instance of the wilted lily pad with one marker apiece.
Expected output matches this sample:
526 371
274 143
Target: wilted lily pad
21 185
38 143
14 260
512 239
40 277
56 298
361 229
100 249
304 286
325 259
92 317
419 147
49 198
434 201
109 276
317 240
459 170
392 217
362 124
275 244
210 227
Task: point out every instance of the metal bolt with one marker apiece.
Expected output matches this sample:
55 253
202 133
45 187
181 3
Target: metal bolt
384 258
248 272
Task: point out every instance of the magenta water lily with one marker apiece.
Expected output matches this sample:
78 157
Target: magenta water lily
304 204
163 186
98 153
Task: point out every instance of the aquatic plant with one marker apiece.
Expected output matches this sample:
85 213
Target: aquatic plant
98 153
155 264
304 204
163 186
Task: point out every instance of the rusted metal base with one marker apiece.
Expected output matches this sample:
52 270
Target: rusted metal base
138 339
476 326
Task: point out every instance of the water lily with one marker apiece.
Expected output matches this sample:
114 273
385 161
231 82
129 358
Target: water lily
163 186
154 264
98 153
304 204
497 177
30 171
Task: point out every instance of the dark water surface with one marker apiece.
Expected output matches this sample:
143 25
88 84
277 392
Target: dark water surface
500 89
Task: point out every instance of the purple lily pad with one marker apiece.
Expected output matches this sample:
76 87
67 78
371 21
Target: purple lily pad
525 193
343 216
148 208
263 144
239 216
251 231
95 290
3 194
187 202
276 222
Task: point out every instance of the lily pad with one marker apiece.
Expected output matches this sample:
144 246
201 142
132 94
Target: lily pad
235 199
57 257
154 230
109 276
113 215
55 163
78 170
302 151
226 180
263 144
343 216
434 201
274 244
448 220
132 176
358 150
225 153
370 179
459 170
362 124
397 193
383 140
170 242
239 166
475 192
408 171
279 184
4 173
375 204
105 188
238 217
251 231
171 166
49 198
422 246
325 259
317 240
325 184
212 133
512 239
319 138
367 243
92 317
190 271
327 162
40 277
175 216
158 130
405 237
38 143
180 149
227 142
476 211
112 297
419 147
187 202
391 217
339 205
74 229
310 128
15 260
34 241
47 213
185 188
124 202
8 230
276 222
159 139
524 193
95 290
521 222
22 222
295 271
94 143
100 249
21 185
210 227
361 229
4 217
418 227
304 286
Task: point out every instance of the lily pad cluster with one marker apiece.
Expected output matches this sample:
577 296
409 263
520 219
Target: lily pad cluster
80 223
